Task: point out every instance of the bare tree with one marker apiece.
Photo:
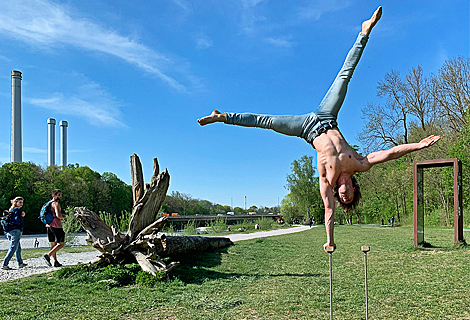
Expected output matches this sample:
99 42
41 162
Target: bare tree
451 91
393 88
418 98
381 129
386 125
409 104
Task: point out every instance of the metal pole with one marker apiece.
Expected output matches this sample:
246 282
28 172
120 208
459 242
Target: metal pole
330 251
366 249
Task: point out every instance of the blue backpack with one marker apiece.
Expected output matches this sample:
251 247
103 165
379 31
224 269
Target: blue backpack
5 221
46 215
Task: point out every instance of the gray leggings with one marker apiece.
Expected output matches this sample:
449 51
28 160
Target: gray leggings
311 125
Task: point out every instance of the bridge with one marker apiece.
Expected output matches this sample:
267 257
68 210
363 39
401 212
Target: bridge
227 217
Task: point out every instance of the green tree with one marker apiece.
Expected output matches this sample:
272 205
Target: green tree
289 209
120 193
304 188
461 150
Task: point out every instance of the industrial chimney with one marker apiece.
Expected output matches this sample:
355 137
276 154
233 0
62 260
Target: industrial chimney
16 151
51 141
63 143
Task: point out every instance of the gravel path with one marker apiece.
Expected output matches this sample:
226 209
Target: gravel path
38 265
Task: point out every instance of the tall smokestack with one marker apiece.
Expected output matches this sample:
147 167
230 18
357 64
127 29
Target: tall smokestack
51 141
16 154
63 143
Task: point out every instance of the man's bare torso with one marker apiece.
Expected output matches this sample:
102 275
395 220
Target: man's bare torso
335 156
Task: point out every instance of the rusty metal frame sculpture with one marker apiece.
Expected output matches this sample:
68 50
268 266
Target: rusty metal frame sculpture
418 197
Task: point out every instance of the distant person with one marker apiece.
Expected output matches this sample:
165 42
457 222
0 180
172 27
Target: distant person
313 221
392 221
337 161
55 232
13 227
36 243
382 221
257 227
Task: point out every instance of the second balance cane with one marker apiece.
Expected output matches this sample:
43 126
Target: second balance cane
330 250
366 249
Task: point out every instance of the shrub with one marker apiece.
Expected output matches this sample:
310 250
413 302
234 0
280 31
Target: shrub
111 276
219 225
265 224
145 279
189 228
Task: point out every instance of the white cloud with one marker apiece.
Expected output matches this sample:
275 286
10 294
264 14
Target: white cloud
202 42
319 7
251 15
186 6
279 42
90 101
47 24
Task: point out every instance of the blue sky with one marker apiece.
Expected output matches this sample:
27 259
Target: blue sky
133 77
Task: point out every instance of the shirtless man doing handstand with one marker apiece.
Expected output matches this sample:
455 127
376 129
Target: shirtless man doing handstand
337 161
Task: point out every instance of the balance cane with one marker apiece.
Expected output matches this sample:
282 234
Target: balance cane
330 250
366 249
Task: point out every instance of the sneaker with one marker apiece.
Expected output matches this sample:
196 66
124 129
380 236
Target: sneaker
48 260
57 264
6 268
22 265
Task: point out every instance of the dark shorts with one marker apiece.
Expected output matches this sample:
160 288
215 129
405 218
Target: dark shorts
55 234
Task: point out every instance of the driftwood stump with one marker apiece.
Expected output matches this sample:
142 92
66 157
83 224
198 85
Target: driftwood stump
143 242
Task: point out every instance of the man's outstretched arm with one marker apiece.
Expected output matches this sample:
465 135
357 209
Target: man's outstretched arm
396 152
326 192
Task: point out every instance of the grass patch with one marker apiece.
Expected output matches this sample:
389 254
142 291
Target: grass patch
36 253
283 277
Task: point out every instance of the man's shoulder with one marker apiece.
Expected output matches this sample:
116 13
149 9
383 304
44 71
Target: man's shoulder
55 204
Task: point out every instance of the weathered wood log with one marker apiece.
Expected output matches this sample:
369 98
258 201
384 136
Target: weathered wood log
144 263
175 246
143 241
103 237
146 205
137 178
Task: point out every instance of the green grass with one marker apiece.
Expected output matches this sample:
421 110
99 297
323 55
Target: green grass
36 253
284 277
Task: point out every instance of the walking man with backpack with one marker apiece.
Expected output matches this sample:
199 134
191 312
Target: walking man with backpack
55 232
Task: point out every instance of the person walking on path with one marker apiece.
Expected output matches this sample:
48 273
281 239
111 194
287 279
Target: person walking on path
337 161
55 232
13 231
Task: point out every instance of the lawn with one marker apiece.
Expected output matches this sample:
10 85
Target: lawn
284 277
36 253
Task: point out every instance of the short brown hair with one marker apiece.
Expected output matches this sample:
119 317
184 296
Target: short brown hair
55 192
348 207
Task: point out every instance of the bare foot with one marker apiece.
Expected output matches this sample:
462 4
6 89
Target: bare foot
369 24
215 116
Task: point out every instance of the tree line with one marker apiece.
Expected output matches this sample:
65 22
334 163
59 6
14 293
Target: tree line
105 194
184 204
80 186
410 108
